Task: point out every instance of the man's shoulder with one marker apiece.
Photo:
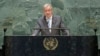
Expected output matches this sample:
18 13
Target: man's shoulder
40 18
56 16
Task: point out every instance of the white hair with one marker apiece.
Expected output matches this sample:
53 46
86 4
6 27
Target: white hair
47 5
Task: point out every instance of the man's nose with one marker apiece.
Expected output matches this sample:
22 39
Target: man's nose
48 12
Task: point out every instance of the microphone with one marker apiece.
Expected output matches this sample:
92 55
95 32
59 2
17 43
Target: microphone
5 29
95 30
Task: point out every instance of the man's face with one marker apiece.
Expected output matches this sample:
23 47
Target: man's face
48 11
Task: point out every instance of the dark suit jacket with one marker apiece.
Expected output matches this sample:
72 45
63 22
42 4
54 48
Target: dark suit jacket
57 27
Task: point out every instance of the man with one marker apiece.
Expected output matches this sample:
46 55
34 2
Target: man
49 24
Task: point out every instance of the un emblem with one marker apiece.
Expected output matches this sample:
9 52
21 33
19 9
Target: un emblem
50 43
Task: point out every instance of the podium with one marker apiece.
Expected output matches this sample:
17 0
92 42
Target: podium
50 46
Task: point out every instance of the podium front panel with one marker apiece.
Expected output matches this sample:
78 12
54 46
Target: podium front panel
50 46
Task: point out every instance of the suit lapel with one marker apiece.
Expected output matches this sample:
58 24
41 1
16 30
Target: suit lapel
53 25
53 22
45 24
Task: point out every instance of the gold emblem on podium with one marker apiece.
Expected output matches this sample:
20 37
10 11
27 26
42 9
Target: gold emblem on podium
50 43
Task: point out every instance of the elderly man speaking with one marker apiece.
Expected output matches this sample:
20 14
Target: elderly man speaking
49 24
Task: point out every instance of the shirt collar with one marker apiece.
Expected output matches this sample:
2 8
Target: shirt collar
49 18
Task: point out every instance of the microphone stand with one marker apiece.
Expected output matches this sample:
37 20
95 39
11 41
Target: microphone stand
95 43
3 47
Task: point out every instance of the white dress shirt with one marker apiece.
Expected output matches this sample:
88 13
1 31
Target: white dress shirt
49 20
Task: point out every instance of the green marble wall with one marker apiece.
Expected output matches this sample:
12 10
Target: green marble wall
19 16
